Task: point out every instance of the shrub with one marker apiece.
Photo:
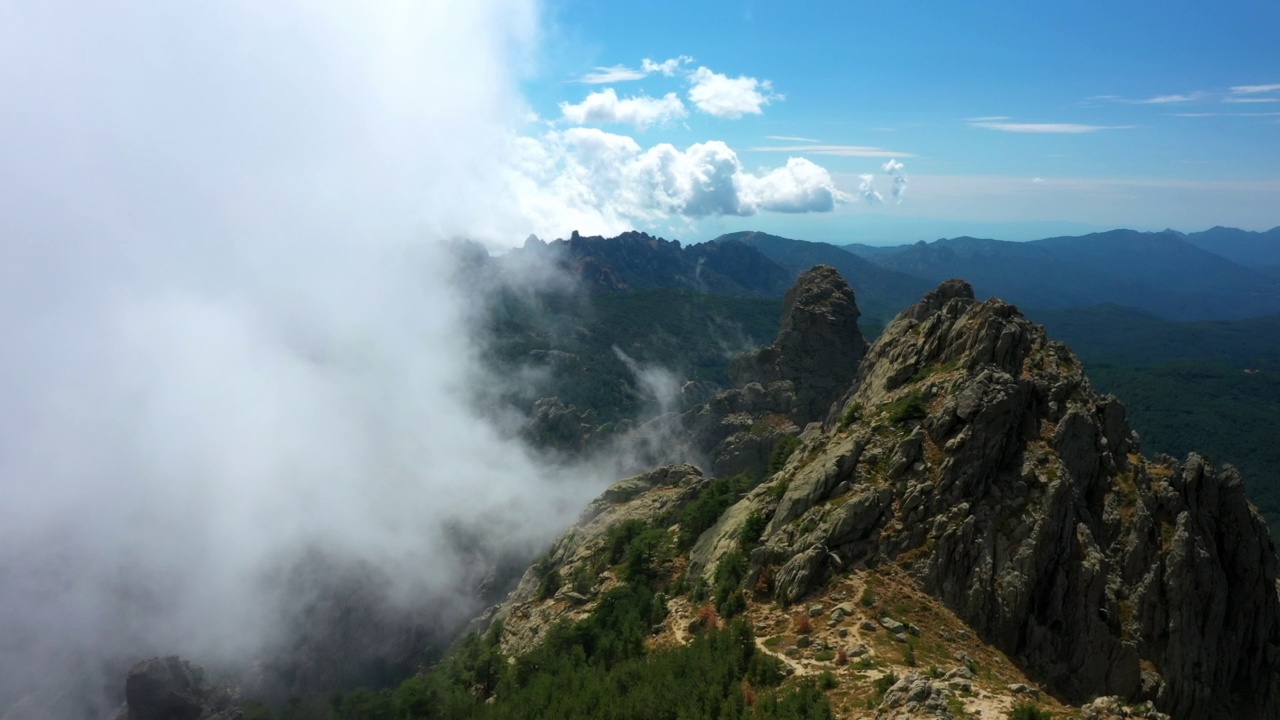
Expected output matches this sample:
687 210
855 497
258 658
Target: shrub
752 528
782 452
549 584
730 572
802 624
910 407
703 512
619 536
1029 711
884 682
852 415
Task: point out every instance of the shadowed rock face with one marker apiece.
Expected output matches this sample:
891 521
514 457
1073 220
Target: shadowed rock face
972 451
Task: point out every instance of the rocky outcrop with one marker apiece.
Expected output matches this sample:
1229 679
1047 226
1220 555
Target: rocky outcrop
784 386
972 451
654 498
171 688
818 347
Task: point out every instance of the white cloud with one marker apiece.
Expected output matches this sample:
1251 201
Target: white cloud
791 138
1214 114
837 150
599 182
1246 89
1164 99
615 73
605 107
1064 128
667 67
1250 100
798 187
622 73
726 97
867 190
897 170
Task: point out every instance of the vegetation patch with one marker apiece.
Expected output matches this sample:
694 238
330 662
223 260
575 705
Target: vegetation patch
783 452
907 408
851 415
703 512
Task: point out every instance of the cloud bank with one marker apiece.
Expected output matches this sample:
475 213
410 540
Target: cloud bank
604 183
230 335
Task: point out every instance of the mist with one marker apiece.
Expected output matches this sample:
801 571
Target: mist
230 335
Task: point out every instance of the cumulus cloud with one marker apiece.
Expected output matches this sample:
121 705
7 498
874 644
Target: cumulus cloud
896 170
605 107
867 190
604 182
667 67
726 97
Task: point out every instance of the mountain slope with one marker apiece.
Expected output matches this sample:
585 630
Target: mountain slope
972 461
881 292
1256 250
1161 273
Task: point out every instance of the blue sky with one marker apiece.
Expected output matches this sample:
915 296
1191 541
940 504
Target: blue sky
1010 119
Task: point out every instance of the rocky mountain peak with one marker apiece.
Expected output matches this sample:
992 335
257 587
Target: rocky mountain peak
972 452
783 386
818 347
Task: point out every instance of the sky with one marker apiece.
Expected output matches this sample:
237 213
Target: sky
1005 119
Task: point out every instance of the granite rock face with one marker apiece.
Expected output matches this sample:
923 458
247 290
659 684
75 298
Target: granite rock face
782 387
972 451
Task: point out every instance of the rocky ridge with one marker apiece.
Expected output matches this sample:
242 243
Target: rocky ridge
969 456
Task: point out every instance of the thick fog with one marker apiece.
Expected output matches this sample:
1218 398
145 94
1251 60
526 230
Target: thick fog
228 335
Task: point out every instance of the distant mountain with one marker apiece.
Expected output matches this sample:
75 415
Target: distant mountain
638 261
866 251
1256 250
881 292
1162 273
